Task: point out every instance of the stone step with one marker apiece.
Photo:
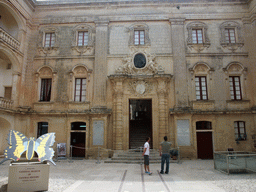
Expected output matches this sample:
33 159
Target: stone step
135 158
131 161
137 161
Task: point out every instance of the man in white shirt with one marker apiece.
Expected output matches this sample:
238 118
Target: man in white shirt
146 156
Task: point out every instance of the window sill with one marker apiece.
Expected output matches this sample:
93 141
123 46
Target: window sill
237 101
82 49
198 47
79 102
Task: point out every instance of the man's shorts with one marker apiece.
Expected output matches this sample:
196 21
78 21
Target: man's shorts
146 159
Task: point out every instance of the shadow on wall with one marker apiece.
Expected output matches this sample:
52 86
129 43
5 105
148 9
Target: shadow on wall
5 126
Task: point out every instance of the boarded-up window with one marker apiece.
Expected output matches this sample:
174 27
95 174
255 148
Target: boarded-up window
183 133
8 92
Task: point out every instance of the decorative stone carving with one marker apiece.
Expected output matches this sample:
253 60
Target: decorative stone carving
140 87
129 68
235 68
238 36
206 41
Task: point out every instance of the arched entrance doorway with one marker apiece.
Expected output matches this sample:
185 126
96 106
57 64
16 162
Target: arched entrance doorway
78 139
204 140
5 126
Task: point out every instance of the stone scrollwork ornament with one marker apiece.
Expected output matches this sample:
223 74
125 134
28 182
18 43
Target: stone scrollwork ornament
140 87
133 66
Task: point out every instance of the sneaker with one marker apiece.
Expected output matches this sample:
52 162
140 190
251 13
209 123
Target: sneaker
166 172
161 172
146 172
150 173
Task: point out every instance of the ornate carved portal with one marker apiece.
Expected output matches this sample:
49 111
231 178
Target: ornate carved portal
130 87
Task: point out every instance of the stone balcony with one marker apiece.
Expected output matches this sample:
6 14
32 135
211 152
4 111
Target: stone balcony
6 103
7 39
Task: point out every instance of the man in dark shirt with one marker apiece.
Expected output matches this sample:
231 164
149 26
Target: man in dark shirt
164 151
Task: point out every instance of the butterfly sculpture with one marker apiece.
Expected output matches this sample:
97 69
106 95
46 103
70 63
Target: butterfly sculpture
19 143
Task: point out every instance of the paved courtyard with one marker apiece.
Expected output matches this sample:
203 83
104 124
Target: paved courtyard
189 176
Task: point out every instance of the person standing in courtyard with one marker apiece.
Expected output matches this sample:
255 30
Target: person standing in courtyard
164 151
146 152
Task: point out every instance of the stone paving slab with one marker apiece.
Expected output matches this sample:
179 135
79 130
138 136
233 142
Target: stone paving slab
190 176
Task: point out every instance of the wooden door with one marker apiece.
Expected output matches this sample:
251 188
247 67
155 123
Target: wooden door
204 145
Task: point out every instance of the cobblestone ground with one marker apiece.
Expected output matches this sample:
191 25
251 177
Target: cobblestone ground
190 175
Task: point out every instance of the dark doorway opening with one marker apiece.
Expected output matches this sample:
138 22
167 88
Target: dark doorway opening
140 121
204 140
77 139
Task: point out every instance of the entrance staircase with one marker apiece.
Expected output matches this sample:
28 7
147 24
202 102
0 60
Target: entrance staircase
134 156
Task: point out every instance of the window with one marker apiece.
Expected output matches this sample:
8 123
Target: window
80 89
82 39
240 133
197 36
139 37
42 128
8 93
201 88
203 125
46 85
49 39
235 88
230 35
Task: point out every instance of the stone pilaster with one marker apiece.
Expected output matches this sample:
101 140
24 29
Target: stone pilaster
179 62
100 65
118 115
163 109
15 92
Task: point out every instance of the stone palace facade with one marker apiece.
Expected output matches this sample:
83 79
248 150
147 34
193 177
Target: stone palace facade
109 73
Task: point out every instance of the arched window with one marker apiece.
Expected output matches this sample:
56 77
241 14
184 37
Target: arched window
45 79
236 74
79 78
201 74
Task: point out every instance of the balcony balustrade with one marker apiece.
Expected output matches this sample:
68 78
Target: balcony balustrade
5 103
8 39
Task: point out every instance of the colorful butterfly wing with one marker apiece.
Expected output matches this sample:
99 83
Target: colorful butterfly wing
18 144
43 149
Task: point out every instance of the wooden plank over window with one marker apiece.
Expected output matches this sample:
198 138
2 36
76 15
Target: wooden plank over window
8 92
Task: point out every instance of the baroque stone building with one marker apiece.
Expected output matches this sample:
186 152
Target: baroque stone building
109 73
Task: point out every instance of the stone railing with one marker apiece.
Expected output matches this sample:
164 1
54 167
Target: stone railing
5 103
7 38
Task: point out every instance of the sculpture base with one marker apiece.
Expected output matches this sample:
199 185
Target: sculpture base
28 176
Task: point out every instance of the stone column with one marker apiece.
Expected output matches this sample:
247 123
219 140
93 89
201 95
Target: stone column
179 62
163 109
100 65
